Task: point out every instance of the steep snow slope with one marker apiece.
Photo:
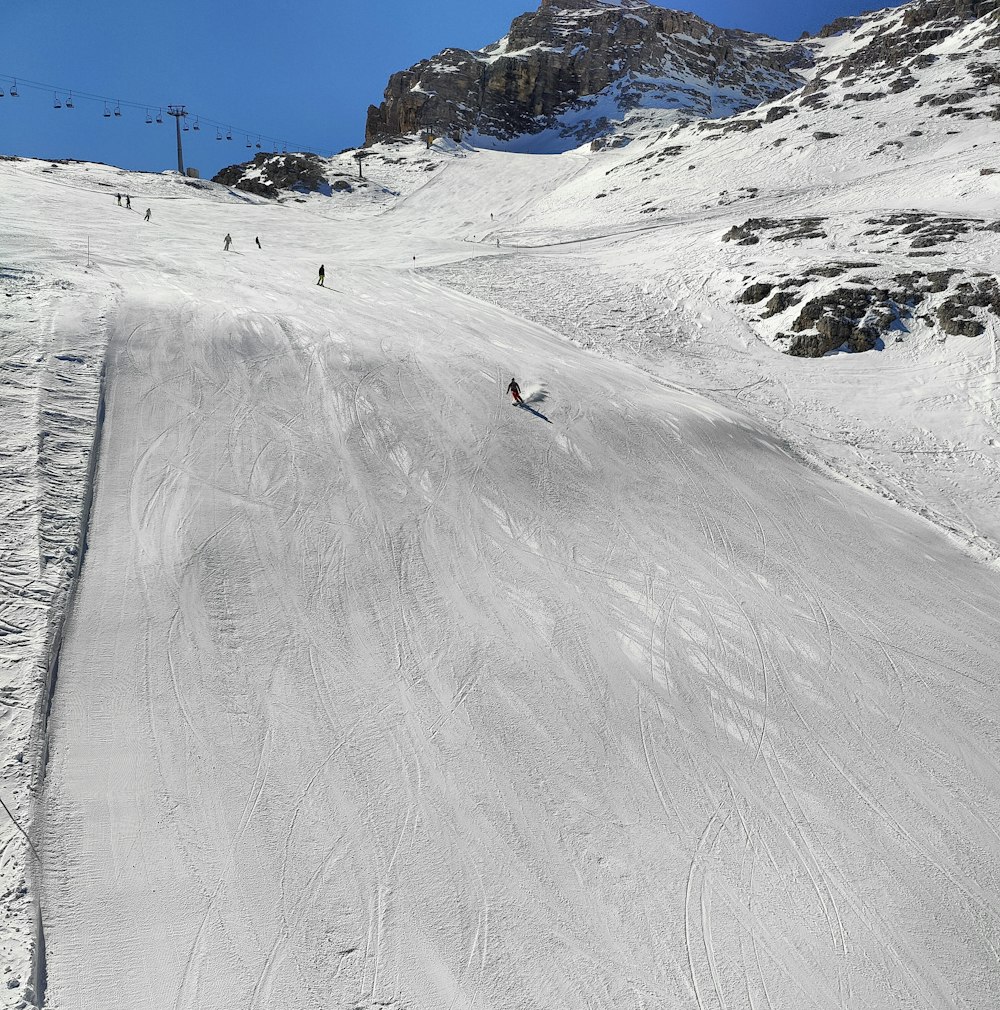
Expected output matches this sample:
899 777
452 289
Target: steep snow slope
380 692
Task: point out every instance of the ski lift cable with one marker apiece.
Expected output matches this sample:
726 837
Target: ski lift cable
117 107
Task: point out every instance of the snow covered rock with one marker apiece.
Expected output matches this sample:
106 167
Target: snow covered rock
270 174
565 72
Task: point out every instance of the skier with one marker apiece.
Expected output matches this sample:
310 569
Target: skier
119 198
257 240
227 242
515 391
128 202
322 276
148 212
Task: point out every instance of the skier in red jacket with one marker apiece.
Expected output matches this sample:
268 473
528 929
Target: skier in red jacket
515 391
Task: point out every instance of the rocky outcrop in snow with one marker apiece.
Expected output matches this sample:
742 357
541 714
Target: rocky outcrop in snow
573 66
890 46
269 175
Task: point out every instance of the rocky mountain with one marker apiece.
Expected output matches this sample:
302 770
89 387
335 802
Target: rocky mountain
566 72
817 152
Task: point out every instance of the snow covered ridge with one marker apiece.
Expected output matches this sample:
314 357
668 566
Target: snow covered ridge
567 72
386 172
573 72
51 363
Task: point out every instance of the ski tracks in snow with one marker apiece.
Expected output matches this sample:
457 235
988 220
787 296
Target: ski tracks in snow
445 702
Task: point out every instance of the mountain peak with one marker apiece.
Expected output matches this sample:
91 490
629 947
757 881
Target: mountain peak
577 5
564 73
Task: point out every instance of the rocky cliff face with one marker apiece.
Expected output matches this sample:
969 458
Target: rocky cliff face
573 66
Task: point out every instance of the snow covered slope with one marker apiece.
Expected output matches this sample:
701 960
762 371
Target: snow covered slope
822 222
675 688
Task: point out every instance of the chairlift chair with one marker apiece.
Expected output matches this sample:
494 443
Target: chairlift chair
13 89
186 127
118 109
149 118
1 93
248 142
229 133
159 116
258 143
218 134
56 104
69 101
197 124
107 111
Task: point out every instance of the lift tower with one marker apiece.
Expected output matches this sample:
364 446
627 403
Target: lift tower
178 112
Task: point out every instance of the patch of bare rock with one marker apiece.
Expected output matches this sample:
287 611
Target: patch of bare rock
861 315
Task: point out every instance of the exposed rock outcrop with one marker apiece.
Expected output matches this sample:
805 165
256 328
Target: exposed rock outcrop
270 175
855 316
573 65
862 315
956 315
776 229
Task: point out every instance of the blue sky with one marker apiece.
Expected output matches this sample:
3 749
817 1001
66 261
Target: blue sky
304 78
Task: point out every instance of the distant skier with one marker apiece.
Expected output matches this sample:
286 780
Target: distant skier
515 391
148 213
322 276
128 202
257 240
227 242
119 198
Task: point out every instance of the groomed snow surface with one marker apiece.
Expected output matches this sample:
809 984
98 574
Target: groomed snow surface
377 691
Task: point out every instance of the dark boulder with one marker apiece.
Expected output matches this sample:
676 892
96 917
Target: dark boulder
779 302
755 293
